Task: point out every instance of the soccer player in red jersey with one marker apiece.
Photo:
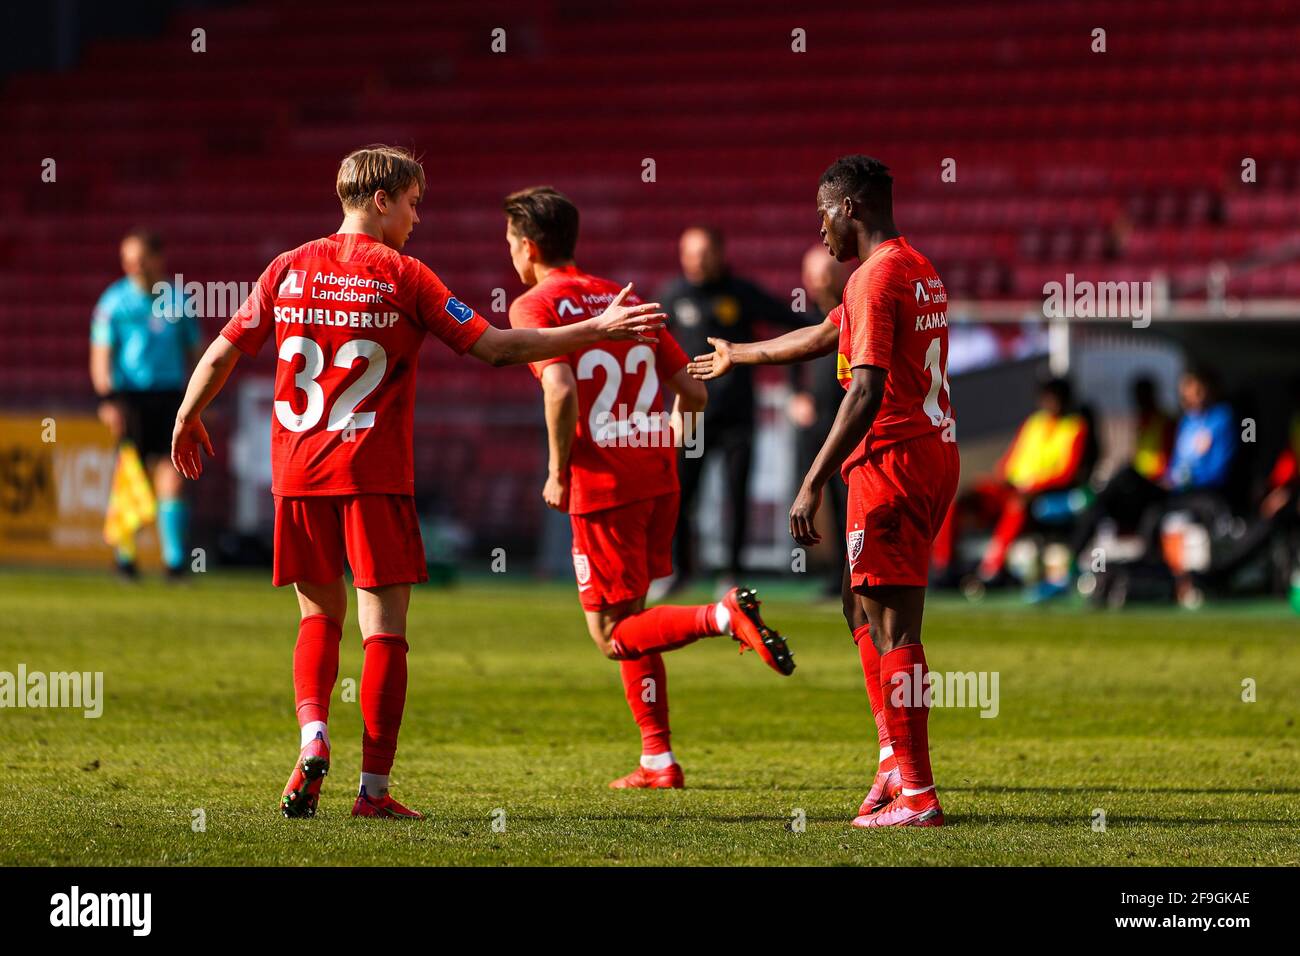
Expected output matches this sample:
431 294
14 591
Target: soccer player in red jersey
613 468
348 314
894 440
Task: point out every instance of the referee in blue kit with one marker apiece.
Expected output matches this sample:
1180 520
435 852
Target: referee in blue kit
142 348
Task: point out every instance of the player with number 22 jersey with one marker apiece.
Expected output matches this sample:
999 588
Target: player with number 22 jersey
613 468
620 392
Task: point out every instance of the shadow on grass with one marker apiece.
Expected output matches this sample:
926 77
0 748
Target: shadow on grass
471 826
996 789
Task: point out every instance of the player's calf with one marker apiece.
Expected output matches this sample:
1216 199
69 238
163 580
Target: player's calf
667 627
645 685
638 633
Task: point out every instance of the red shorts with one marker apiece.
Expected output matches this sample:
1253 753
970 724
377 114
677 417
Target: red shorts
379 535
619 551
898 499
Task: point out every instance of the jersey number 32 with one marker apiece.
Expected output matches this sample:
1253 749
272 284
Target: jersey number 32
342 412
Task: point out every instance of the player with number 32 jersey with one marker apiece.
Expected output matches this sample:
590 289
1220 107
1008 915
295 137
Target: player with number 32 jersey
347 314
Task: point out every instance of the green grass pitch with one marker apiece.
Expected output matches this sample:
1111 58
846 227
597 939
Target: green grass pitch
1137 714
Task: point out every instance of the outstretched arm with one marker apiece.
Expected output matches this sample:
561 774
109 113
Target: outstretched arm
852 422
519 346
209 376
809 342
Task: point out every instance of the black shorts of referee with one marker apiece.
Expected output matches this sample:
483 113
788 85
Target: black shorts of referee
149 419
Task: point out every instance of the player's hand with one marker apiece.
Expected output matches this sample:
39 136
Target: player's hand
803 516
188 439
713 364
556 492
636 322
802 410
110 413
1273 502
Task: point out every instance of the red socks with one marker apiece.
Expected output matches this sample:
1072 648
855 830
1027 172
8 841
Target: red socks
383 685
907 713
645 683
871 674
383 697
1010 524
315 667
639 641
663 628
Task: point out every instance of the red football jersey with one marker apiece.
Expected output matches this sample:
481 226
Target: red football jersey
623 450
349 314
895 316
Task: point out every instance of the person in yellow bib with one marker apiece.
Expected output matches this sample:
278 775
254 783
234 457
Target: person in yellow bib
1053 452
1048 454
1153 432
1130 491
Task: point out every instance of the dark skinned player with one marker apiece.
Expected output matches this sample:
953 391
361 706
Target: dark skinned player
894 442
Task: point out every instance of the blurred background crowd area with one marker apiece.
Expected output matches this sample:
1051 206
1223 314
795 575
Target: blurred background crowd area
1025 145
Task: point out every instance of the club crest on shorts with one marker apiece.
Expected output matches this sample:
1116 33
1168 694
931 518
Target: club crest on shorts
581 568
855 544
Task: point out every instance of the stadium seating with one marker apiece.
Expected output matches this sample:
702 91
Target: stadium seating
1115 164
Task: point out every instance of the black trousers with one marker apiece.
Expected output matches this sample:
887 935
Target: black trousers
1125 500
150 418
736 445
1205 506
1136 502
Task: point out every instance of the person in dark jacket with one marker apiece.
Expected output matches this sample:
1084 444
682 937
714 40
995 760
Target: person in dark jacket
707 301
